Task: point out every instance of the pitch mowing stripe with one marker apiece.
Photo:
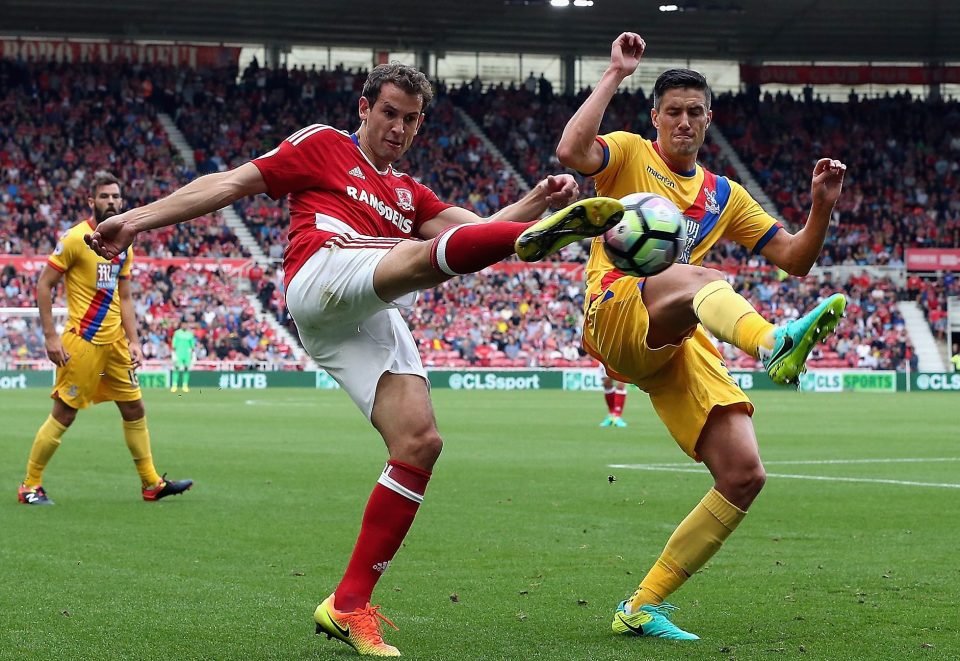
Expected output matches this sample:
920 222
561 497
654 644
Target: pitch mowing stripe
822 478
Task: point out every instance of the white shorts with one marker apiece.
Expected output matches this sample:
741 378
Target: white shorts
345 327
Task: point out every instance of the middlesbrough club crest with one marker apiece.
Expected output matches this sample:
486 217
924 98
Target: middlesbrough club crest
404 199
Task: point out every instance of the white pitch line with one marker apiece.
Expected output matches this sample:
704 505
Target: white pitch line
822 478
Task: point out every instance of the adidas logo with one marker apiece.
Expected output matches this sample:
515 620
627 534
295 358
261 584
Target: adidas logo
357 172
381 566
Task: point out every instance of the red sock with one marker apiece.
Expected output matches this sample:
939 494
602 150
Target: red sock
386 520
611 397
473 247
619 399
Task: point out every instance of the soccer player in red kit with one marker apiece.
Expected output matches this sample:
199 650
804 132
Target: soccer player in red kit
350 264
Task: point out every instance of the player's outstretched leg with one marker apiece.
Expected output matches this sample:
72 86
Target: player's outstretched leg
794 340
649 620
360 629
581 220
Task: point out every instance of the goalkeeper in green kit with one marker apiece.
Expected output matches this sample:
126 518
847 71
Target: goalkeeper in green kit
183 344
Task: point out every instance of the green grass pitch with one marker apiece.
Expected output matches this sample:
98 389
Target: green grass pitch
523 546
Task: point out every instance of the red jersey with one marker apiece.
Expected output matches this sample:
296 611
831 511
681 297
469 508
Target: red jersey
334 189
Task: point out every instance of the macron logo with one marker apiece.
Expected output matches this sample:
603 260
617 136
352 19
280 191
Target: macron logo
357 172
381 566
661 178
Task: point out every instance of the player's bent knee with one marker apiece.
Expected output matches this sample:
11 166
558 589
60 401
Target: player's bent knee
63 413
428 444
754 480
420 448
132 410
750 481
674 289
742 486
700 276
65 417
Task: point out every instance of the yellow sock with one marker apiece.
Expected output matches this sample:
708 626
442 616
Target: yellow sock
45 443
731 318
138 441
695 540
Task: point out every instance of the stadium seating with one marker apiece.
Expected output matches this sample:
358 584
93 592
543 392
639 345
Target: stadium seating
60 125
903 158
225 325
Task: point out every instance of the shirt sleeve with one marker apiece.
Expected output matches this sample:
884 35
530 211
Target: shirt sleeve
618 148
63 253
127 264
297 163
751 226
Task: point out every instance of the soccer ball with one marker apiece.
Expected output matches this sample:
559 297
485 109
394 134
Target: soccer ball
648 238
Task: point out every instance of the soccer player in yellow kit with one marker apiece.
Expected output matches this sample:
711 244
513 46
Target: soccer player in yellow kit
650 331
99 352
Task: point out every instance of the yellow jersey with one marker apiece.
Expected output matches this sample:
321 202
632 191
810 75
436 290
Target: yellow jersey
93 304
714 207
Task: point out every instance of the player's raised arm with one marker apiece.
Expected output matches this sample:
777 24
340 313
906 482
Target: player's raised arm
553 192
797 253
201 196
578 148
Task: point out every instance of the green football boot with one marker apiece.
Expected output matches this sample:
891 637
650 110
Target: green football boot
581 220
793 341
651 621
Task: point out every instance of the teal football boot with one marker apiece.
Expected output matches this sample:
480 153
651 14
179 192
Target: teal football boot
793 341
651 621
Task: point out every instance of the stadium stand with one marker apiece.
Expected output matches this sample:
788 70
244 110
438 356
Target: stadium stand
58 125
903 154
61 124
229 336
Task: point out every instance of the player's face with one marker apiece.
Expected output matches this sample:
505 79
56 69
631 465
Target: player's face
107 202
391 123
682 122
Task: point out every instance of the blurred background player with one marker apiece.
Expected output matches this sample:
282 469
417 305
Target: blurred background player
182 347
648 330
615 394
99 352
349 265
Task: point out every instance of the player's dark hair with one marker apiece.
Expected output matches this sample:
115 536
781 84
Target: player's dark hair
105 179
410 79
672 79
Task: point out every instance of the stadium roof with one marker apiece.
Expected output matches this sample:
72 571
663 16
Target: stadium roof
744 30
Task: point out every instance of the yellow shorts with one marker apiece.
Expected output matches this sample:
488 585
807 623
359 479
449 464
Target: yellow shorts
95 373
685 382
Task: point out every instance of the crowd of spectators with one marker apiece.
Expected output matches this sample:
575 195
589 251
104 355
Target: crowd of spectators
62 124
872 335
503 317
164 298
903 167
931 296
